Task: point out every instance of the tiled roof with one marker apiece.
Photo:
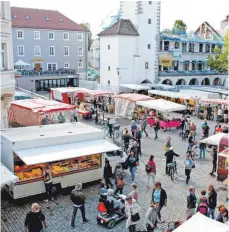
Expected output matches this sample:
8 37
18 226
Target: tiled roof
121 27
208 24
42 19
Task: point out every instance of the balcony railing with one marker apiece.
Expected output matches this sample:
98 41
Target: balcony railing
189 73
59 72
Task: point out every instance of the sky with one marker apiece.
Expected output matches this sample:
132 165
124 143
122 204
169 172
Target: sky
192 12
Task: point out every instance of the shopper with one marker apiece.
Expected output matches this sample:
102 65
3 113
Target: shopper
132 164
152 217
107 174
188 163
95 103
191 202
133 128
214 159
110 127
169 159
102 190
119 179
151 171
138 137
132 210
212 201
167 144
209 112
156 127
159 196
78 199
75 114
202 204
47 175
134 192
215 113
193 129
224 214
35 220
220 113
202 148
143 126
225 115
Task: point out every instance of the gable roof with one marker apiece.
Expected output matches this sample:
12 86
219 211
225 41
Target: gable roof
42 19
121 27
210 27
226 19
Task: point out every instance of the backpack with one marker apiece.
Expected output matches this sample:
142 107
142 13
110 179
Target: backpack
203 207
148 168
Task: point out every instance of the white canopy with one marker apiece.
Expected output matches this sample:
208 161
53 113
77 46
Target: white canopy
161 105
201 223
7 176
214 139
135 87
65 151
21 62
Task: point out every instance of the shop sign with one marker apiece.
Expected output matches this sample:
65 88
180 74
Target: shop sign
166 62
38 60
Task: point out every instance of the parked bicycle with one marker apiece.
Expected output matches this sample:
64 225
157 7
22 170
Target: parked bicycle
115 134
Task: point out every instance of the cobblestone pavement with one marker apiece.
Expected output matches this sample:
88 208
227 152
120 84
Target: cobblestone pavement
59 211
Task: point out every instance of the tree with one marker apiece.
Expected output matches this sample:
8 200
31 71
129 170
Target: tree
87 26
179 25
219 60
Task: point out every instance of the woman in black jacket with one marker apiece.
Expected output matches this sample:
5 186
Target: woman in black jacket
159 196
191 202
107 174
212 201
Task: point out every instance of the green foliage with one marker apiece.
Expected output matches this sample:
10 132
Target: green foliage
179 25
219 60
87 26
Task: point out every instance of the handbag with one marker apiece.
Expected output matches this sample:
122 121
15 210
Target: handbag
135 217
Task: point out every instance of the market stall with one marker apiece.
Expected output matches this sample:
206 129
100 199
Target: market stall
201 223
125 104
31 112
164 107
21 96
215 102
7 177
77 154
223 165
135 88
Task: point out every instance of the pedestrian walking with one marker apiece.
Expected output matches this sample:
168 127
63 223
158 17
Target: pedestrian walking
159 196
169 159
75 114
209 112
78 199
151 171
47 175
95 103
152 218
138 137
133 128
212 201
214 159
119 179
132 210
193 129
35 220
191 202
110 127
220 113
132 164
188 163
215 113
225 115
134 192
143 126
202 148
107 174
202 204
156 127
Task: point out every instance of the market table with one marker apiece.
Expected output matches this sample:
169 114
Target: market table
164 124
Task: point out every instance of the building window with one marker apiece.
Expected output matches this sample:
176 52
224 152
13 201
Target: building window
3 14
149 46
176 65
177 45
193 65
149 21
186 65
37 51
66 65
80 65
207 48
51 35
146 65
166 45
51 51
52 66
161 45
21 51
191 47
66 36
184 47
108 82
66 51
150 2
109 68
109 47
20 34
36 35
80 37
213 48
80 51
3 56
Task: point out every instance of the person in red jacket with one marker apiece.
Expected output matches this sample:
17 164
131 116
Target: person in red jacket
152 171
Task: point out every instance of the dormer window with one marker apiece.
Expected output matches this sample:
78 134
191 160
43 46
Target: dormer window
47 18
61 20
27 17
15 16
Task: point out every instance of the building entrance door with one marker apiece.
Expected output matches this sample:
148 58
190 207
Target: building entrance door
37 66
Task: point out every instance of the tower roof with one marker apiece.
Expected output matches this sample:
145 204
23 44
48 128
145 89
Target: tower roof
121 27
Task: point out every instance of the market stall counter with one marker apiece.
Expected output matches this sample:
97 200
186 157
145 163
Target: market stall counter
77 154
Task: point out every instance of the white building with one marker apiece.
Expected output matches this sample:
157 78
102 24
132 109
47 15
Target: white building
129 48
224 26
7 82
94 54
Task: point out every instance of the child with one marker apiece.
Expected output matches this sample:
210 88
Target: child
202 204
103 190
167 144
